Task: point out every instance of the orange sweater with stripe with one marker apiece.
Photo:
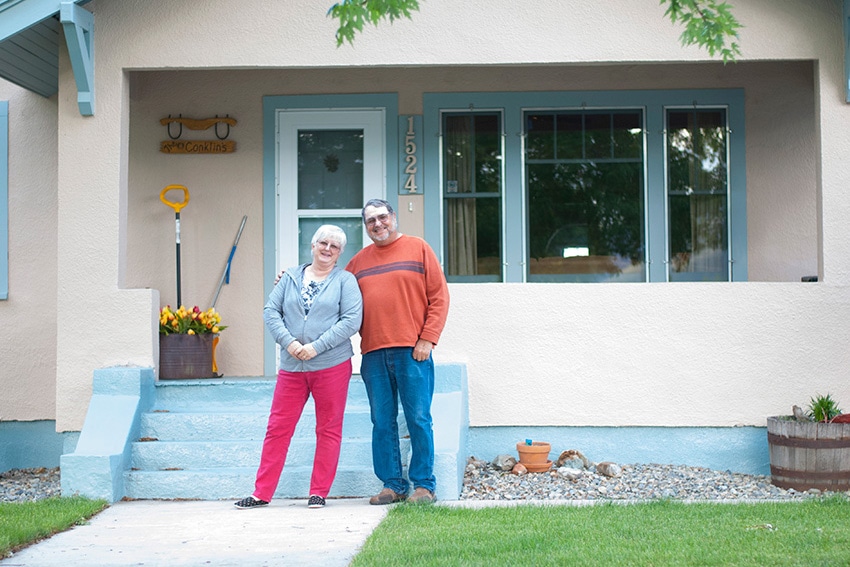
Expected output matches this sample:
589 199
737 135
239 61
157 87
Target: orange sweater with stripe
405 296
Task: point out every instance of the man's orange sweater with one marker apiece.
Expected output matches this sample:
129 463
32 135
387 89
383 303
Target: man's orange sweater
405 296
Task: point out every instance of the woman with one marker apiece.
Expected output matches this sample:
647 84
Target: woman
312 313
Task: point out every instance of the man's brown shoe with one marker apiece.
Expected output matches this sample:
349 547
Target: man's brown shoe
422 496
386 496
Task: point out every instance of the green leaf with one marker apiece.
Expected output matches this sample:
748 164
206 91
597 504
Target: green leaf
352 14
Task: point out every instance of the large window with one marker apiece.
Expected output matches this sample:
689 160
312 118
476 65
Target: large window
696 195
472 176
584 185
637 186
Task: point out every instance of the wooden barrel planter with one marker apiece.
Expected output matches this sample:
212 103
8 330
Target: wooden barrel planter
186 356
805 455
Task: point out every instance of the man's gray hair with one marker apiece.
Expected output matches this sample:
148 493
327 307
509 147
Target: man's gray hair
330 232
377 203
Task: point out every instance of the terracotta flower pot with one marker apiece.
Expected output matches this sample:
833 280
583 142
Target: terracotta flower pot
534 457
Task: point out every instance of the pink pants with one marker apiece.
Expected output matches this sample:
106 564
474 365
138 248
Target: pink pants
329 388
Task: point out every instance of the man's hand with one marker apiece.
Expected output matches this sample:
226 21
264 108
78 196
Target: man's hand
422 350
280 275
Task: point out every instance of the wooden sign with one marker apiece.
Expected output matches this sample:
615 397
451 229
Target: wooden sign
197 146
175 145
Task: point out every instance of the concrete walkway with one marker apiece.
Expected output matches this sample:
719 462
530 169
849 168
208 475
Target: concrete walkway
210 533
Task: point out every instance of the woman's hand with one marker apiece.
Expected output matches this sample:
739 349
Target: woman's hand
307 352
301 352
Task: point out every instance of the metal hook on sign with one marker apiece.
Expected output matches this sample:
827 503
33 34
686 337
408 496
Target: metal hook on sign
179 132
228 129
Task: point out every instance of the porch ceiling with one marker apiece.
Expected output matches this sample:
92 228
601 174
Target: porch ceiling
29 45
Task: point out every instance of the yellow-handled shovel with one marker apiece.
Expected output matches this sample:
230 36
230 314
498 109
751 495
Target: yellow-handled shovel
176 206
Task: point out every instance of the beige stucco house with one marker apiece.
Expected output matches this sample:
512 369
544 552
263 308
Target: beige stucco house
626 224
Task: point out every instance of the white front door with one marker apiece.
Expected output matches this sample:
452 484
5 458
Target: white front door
330 162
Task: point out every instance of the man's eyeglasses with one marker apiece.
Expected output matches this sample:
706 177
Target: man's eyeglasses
382 218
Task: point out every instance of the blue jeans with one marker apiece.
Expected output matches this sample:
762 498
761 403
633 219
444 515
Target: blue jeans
390 375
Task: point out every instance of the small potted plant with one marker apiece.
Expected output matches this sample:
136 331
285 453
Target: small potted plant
187 339
811 449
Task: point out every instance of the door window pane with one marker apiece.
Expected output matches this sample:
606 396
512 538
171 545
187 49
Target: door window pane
697 195
585 208
473 182
330 169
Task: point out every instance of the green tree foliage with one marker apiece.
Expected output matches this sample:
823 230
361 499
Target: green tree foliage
353 14
708 23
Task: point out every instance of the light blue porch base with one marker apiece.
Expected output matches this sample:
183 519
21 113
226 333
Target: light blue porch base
30 444
737 449
201 439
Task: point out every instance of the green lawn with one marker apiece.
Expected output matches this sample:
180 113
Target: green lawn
23 523
811 533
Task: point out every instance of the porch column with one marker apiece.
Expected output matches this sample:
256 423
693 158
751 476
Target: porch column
834 173
98 323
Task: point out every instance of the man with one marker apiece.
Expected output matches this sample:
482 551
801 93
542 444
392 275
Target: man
405 304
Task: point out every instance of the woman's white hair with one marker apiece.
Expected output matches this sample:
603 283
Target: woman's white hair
330 232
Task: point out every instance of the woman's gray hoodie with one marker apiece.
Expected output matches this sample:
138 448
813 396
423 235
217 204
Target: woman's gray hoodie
334 317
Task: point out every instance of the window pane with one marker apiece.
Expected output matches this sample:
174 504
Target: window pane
628 135
353 227
697 197
597 135
585 222
330 169
570 137
488 154
540 136
472 176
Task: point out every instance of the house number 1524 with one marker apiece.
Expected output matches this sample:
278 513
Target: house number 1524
410 159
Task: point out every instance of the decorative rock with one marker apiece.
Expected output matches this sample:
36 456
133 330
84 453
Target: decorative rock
570 473
609 469
504 462
572 459
519 469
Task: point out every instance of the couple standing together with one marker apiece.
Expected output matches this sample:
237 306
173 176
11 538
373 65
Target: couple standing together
394 293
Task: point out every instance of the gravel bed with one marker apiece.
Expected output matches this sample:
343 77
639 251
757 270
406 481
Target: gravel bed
483 481
27 485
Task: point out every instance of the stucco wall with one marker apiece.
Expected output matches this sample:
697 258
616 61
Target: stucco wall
28 316
647 353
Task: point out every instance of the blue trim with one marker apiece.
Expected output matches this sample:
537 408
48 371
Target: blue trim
4 200
78 24
30 444
513 104
271 104
737 449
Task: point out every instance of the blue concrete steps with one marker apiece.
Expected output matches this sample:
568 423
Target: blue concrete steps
201 439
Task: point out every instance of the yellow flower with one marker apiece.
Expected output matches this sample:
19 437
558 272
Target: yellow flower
189 321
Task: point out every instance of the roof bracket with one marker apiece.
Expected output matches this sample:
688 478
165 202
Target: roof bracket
78 24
